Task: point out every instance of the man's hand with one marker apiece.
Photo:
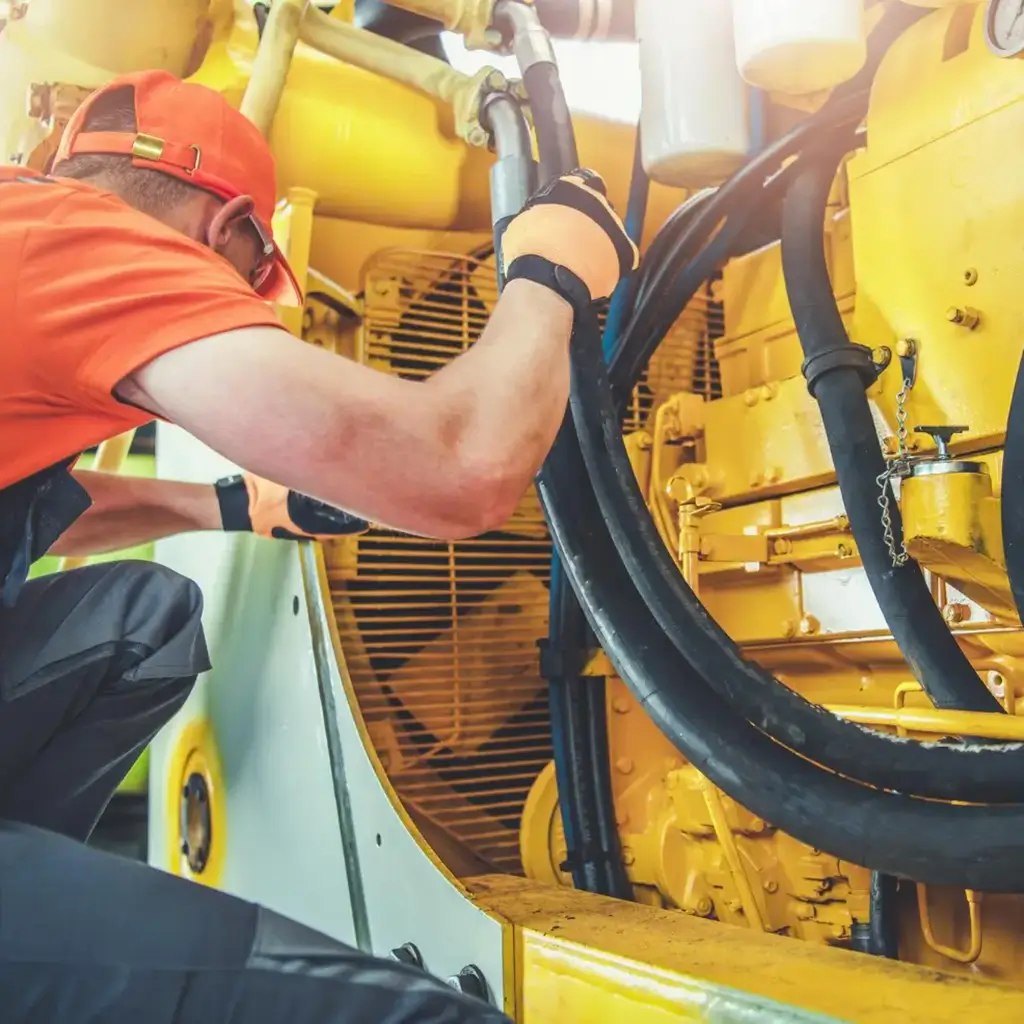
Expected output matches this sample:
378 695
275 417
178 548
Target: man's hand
570 226
250 503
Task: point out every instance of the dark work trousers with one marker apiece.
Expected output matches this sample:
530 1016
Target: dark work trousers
92 663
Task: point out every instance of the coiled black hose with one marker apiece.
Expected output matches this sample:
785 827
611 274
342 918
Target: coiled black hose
932 653
937 770
936 843
946 771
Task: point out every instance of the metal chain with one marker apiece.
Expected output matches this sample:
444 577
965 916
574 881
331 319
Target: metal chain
898 467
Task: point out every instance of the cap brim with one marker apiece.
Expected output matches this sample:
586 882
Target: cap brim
281 286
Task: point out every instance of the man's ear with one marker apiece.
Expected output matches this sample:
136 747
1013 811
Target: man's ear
218 231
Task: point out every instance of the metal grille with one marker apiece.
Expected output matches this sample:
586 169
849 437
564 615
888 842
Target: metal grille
440 638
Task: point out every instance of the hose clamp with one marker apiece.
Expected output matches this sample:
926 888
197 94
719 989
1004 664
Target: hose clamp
848 356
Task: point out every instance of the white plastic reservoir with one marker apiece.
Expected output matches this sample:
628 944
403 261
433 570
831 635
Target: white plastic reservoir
694 121
799 46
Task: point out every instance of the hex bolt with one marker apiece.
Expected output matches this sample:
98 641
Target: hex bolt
966 317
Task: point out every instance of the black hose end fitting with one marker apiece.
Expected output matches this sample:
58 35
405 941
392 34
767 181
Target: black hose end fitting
849 356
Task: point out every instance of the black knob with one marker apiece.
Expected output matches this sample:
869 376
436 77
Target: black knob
941 436
407 953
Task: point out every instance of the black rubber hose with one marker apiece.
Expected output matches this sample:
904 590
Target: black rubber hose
583 746
936 843
552 122
931 651
1013 493
580 743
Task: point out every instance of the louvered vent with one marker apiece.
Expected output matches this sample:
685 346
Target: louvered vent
440 638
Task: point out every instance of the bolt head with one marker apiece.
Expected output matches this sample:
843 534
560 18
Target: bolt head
624 765
809 625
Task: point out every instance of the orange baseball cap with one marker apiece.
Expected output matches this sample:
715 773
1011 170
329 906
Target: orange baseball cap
190 132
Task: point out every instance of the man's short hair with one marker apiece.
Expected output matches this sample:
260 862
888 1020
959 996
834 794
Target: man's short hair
150 191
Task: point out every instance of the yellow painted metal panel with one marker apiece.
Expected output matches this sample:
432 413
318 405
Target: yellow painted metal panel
585 958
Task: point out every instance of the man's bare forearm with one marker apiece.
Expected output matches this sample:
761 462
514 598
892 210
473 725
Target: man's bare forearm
128 511
508 393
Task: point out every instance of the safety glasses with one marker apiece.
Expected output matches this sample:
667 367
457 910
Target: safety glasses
263 266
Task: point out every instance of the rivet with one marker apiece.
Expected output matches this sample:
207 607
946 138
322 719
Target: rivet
624 765
621 705
771 885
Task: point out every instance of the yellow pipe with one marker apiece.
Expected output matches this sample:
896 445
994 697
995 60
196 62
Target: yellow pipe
294 230
110 458
973 951
402 64
942 723
273 60
751 910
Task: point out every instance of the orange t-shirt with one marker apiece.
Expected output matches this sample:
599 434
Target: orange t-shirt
90 291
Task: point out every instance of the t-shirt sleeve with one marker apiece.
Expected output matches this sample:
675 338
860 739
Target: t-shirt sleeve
104 290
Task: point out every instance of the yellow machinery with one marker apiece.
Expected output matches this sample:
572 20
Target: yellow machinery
374 752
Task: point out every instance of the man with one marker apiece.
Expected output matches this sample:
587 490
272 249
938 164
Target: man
136 285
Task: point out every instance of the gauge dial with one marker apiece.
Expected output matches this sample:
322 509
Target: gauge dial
1004 27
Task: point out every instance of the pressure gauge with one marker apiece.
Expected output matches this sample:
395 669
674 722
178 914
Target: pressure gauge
1004 27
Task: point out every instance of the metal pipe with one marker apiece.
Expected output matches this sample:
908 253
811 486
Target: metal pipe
1008 728
514 172
530 41
382 56
727 840
973 951
298 238
270 67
